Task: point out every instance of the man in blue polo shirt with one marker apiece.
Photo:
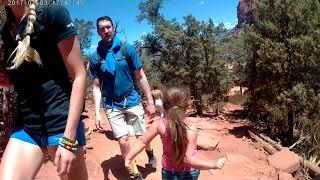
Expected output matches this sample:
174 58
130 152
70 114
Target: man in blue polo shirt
114 68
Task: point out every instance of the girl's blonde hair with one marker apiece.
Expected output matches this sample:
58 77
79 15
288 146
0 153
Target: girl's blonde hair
175 100
23 51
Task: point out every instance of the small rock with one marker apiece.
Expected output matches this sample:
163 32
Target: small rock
285 176
285 160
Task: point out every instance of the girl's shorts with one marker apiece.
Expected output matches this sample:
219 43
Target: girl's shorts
169 175
42 140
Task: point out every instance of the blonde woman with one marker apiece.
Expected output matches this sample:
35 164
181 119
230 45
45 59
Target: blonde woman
42 57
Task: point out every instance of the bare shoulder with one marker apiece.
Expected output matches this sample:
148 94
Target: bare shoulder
190 123
158 124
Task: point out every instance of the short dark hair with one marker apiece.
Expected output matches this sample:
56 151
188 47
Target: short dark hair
103 18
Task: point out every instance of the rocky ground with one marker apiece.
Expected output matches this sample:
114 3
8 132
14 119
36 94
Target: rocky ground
245 159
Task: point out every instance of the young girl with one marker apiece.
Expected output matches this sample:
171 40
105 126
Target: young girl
179 159
43 60
158 98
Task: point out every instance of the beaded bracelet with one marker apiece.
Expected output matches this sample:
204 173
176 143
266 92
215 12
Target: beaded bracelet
73 149
68 142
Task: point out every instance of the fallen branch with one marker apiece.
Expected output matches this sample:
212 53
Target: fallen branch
270 149
311 166
301 139
272 142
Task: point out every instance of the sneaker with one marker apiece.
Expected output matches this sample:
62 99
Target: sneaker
152 159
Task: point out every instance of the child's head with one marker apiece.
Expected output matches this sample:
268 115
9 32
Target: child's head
175 101
155 87
176 98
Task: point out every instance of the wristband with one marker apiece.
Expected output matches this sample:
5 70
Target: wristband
68 142
73 149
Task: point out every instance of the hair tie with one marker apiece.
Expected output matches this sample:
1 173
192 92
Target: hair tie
175 107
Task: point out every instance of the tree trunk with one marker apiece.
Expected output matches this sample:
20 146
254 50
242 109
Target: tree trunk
217 111
197 99
290 125
198 105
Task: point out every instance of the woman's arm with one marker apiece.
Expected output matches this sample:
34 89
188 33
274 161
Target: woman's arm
70 51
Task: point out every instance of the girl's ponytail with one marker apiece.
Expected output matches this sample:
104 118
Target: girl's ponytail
175 105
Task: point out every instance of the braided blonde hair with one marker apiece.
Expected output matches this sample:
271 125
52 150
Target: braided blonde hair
23 51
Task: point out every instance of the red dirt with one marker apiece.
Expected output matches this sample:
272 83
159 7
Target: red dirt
245 159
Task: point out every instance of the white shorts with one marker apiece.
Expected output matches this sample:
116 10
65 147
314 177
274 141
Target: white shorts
127 121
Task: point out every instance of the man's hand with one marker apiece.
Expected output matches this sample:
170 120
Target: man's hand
99 122
151 110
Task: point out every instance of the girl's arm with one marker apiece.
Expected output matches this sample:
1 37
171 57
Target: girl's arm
194 161
71 54
141 143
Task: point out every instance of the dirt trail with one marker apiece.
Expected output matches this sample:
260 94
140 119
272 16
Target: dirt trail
245 159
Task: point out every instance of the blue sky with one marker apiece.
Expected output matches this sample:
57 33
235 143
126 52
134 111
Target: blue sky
125 12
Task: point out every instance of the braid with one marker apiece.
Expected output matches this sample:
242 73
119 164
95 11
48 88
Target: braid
23 51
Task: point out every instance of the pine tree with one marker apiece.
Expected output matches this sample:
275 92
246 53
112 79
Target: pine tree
283 65
185 53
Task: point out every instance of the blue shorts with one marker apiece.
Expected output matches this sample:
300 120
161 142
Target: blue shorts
169 175
42 140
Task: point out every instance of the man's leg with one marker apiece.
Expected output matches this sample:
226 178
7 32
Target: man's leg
121 131
124 145
135 118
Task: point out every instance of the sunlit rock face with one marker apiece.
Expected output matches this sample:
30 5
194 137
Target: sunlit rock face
246 12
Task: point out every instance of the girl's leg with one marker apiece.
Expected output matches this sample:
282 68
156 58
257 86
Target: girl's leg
78 169
20 161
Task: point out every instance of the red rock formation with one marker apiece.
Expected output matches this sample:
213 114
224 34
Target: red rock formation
246 14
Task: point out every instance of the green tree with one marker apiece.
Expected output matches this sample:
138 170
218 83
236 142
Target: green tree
149 11
84 30
283 66
185 53
234 52
152 73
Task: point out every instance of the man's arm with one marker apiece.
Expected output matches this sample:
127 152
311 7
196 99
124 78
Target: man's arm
97 100
141 77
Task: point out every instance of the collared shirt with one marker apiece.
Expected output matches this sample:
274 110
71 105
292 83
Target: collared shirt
116 74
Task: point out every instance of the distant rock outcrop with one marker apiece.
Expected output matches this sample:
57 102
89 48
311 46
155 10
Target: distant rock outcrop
246 15
246 12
